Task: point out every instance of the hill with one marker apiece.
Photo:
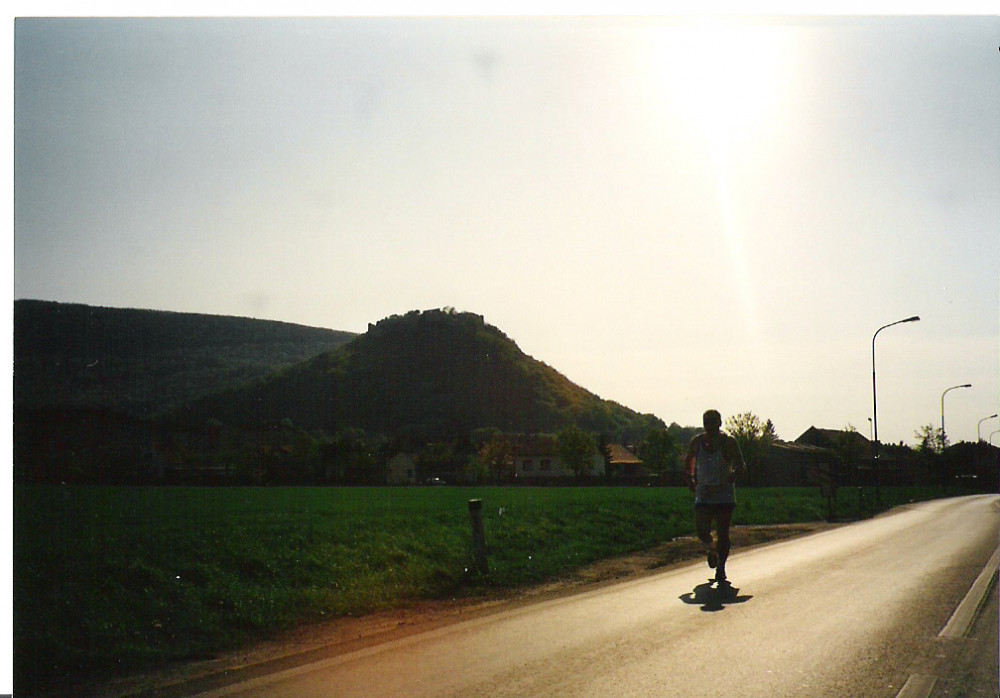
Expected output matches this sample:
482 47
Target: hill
142 363
431 375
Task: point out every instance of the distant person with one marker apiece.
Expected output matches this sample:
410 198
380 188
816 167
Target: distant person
713 463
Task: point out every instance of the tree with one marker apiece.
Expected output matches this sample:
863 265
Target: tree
659 451
496 456
848 448
576 449
437 459
754 439
604 448
930 439
350 457
930 448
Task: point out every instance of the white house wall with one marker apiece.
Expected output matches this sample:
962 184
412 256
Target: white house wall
530 467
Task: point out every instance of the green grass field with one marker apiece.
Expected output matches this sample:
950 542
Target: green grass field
111 579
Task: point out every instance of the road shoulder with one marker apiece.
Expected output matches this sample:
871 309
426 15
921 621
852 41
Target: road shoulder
973 668
319 641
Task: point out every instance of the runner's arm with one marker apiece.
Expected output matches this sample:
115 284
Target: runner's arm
689 463
736 459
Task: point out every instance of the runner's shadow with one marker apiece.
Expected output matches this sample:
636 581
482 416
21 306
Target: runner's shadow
714 597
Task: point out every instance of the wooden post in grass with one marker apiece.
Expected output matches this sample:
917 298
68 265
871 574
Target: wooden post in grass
478 537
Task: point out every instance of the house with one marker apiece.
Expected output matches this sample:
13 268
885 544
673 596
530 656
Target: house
401 470
836 439
797 465
536 459
623 464
854 453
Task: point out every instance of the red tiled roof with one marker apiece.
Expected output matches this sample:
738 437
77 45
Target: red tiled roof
621 455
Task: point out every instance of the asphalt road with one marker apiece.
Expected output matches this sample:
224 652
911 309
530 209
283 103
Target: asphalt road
852 611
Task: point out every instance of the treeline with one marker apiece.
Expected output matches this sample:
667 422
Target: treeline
146 362
75 446
102 447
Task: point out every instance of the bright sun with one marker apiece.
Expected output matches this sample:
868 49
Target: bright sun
724 77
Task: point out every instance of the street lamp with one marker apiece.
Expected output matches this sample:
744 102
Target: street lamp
991 436
967 385
978 437
878 495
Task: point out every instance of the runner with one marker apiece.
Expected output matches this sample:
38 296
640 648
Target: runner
713 463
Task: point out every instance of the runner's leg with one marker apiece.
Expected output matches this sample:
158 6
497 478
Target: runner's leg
724 518
703 525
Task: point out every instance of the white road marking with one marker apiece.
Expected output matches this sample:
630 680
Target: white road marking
961 620
958 626
917 686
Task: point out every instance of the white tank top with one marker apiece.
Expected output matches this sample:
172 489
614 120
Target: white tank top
711 467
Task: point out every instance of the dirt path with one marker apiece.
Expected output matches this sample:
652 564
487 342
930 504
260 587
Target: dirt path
315 641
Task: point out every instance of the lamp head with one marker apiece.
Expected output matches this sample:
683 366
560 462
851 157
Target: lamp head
915 318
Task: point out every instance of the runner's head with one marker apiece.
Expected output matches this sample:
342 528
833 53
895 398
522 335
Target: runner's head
712 421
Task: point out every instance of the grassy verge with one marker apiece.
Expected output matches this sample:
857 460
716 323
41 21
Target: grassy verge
110 579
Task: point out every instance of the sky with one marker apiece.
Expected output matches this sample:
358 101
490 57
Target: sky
677 213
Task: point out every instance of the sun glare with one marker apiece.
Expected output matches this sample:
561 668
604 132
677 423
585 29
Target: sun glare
723 80
723 77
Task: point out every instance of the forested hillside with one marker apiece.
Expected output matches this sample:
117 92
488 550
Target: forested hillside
129 396
431 375
145 362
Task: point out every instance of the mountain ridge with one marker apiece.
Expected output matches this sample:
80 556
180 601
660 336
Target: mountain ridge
430 374
144 363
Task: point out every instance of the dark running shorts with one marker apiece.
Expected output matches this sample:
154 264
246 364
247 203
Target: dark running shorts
721 506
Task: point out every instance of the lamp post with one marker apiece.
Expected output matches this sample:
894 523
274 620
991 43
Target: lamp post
991 436
978 437
878 494
943 440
